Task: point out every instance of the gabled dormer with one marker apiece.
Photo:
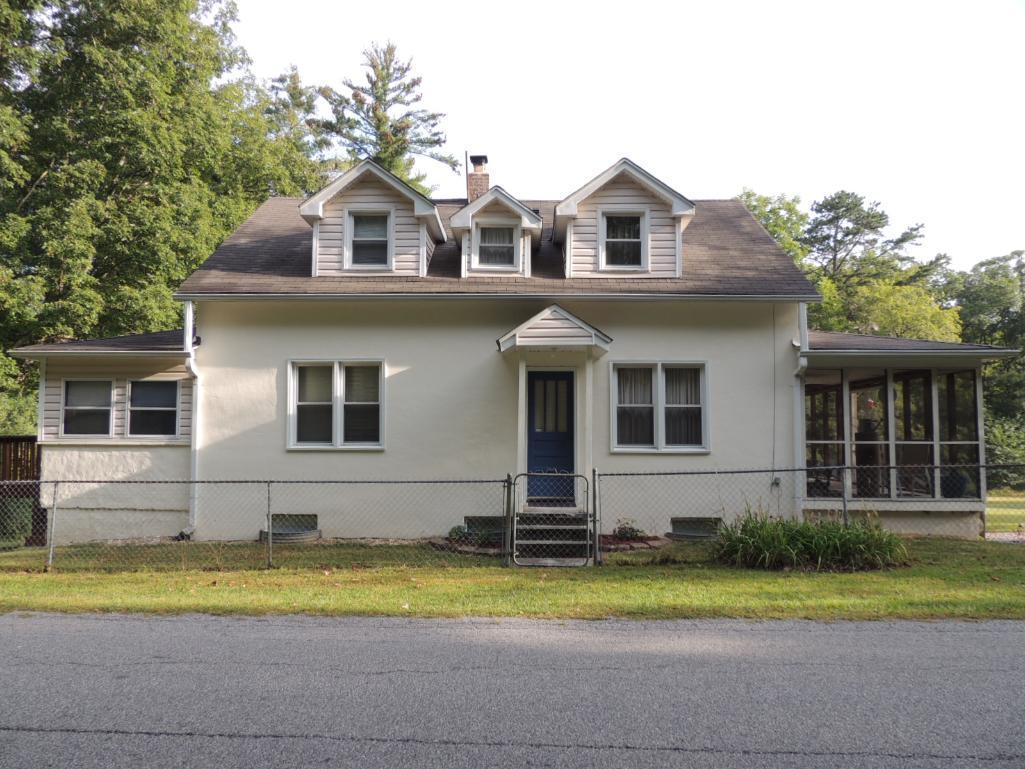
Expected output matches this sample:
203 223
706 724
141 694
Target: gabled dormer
497 232
367 221
623 223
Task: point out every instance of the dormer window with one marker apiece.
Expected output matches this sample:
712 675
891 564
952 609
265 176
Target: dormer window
623 240
369 240
496 244
497 248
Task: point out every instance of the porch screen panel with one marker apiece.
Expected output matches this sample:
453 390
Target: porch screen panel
959 434
635 408
870 433
913 427
823 432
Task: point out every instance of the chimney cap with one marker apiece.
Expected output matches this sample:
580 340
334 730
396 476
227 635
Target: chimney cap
478 160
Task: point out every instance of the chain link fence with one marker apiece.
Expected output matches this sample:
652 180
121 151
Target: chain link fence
530 519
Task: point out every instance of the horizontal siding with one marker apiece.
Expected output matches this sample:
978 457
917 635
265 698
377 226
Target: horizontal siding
120 372
331 238
551 328
662 229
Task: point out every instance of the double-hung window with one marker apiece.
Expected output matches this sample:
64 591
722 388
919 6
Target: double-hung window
336 404
370 239
87 407
497 247
659 407
153 408
622 240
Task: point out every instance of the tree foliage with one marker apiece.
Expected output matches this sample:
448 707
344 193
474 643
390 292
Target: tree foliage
382 120
131 143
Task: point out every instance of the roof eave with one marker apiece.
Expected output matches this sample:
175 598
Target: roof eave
545 295
39 354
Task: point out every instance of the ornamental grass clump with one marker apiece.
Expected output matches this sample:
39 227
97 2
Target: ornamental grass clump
760 542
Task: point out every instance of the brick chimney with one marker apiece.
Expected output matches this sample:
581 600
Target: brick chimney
477 180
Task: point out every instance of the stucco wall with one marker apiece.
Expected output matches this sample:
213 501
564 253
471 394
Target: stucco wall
451 400
102 511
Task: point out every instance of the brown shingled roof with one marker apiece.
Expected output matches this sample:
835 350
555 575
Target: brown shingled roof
821 341
725 253
157 342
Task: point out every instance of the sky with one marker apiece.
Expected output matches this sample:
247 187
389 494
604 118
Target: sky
920 106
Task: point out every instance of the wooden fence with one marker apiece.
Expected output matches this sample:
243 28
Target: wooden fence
20 461
19 458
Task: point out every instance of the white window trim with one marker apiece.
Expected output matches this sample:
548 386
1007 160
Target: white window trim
368 209
337 404
613 210
110 416
517 244
659 398
177 411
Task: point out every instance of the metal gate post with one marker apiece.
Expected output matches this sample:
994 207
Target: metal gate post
270 531
508 538
53 527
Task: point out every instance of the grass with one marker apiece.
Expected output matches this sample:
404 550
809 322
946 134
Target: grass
1005 510
945 578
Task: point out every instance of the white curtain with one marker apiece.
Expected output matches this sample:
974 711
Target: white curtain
683 386
634 386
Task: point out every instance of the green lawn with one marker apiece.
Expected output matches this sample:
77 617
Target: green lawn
946 578
1005 512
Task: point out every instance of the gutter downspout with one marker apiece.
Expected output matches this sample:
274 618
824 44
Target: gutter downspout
193 369
802 366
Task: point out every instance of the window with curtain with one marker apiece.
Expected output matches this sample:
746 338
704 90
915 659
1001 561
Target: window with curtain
635 407
370 239
87 407
683 406
152 408
337 404
497 247
623 247
659 406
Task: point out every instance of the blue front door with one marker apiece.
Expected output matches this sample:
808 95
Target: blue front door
550 436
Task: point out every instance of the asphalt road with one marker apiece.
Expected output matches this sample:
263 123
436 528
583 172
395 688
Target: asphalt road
147 693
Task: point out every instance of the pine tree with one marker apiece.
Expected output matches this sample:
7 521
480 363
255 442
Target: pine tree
381 120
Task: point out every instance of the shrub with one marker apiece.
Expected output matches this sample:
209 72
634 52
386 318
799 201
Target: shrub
760 542
627 529
15 522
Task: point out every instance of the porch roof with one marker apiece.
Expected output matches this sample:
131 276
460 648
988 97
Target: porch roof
158 343
555 328
834 348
